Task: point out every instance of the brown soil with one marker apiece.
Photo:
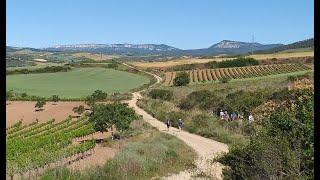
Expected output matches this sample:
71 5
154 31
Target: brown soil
17 110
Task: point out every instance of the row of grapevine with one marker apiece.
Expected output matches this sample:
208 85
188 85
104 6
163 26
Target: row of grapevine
204 75
43 143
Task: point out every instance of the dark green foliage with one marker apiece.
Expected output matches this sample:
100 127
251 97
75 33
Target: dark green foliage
161 94
239 62
239 101
99 95
183 67
182 79
224 80
55 98
244 102
284 146
90 101
299 77
23 95
79 109
105 116
203 99
9 94
40 103
48 69
112 65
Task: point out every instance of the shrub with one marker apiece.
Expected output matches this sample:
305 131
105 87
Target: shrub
79 109
299 77
55 98
9 94
224 80
161 94
182 79
112 65
99 95
40 103
239 62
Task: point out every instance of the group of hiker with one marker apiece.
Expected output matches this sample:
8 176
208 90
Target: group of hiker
180 124
232 117
224 115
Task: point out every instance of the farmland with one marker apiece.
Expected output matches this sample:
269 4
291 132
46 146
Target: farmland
175 62
204 75
76 83
36 145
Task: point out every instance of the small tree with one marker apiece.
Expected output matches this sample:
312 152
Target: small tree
105 116
90 101
182 79
9 94
23 95
55 99
78 109
99 95
40 103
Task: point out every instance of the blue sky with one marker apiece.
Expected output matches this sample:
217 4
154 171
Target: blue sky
185 24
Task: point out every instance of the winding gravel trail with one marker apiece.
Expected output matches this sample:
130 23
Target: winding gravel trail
205 148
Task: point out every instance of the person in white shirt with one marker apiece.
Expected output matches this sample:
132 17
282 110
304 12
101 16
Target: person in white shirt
251 119
221 114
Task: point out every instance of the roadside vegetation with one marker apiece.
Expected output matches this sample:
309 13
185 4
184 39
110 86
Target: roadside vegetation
199 105
282 146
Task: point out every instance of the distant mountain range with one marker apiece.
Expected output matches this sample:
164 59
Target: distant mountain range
223 47
308 43
226 47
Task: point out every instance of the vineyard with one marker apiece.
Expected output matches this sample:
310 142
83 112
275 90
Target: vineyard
203 75
36 145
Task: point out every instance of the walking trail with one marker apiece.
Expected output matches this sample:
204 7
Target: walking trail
205 148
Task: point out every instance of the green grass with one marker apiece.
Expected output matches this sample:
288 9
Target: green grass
76 83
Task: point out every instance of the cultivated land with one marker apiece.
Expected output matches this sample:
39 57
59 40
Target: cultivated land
37 66
76 83
25 111
205 75
279 55
96 57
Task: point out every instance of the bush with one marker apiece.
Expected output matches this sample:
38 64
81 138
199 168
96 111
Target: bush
203 99
224 80
161 94
182 79
99 95
48 69
239 62
299 77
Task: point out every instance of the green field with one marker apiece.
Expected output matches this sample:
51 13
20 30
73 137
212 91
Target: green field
76 83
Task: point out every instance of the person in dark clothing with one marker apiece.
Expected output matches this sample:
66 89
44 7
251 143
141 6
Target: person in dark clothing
168 123
180 124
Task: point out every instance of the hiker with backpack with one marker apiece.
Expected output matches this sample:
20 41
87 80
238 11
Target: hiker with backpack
180 124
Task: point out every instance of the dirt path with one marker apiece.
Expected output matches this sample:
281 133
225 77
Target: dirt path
205 148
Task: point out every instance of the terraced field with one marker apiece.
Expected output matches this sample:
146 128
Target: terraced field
204 75
37 145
